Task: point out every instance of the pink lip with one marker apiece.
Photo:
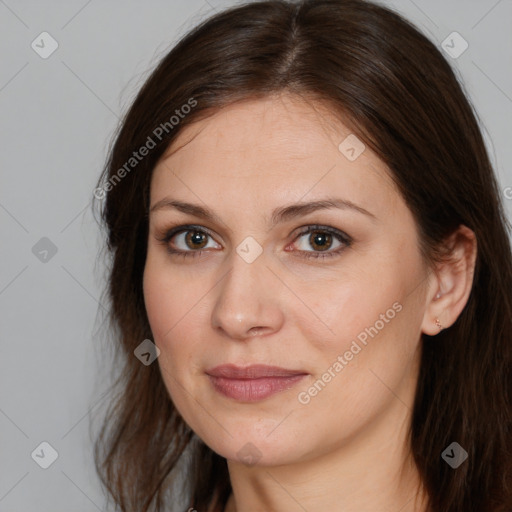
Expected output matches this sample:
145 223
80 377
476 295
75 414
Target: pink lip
252 383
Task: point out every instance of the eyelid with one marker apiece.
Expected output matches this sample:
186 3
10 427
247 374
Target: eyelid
309 228
168 233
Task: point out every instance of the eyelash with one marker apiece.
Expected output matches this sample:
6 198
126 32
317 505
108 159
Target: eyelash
339 235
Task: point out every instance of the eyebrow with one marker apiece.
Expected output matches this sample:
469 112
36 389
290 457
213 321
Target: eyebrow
281 214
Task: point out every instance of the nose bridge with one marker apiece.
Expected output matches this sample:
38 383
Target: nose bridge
245 303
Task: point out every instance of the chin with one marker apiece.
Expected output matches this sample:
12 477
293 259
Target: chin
259 449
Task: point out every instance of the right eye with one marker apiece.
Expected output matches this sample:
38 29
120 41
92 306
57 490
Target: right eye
187 240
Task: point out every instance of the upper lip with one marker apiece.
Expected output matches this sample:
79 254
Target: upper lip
255 371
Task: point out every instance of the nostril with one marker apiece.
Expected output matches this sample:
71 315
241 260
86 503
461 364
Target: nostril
255 331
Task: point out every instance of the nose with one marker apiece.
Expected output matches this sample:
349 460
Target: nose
248 300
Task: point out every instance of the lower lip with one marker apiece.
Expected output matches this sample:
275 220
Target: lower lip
252 390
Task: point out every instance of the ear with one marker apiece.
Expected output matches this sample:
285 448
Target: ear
449 291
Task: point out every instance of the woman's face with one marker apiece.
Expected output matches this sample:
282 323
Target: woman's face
341 307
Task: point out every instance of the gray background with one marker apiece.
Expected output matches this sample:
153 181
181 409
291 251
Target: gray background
57 119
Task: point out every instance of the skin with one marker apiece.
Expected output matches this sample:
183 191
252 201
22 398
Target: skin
346 448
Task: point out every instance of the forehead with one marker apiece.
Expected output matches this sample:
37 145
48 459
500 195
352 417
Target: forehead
269 151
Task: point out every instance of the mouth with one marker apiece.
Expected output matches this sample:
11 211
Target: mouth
252 383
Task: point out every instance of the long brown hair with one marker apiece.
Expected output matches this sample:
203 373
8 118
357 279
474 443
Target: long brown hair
400 96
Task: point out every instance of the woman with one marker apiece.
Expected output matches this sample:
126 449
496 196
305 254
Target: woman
312 265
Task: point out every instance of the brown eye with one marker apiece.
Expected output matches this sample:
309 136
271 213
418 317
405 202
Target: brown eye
320 241
196 239
188 241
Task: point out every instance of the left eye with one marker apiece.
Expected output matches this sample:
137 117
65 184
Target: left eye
321 240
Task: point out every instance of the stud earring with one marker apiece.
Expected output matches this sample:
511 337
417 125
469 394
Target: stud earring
438 296
438 323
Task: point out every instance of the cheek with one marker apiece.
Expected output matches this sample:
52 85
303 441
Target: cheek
158 301
359 324
339 309
169 297
166 312
173 305
170 318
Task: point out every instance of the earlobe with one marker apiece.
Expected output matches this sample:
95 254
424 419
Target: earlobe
453 284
